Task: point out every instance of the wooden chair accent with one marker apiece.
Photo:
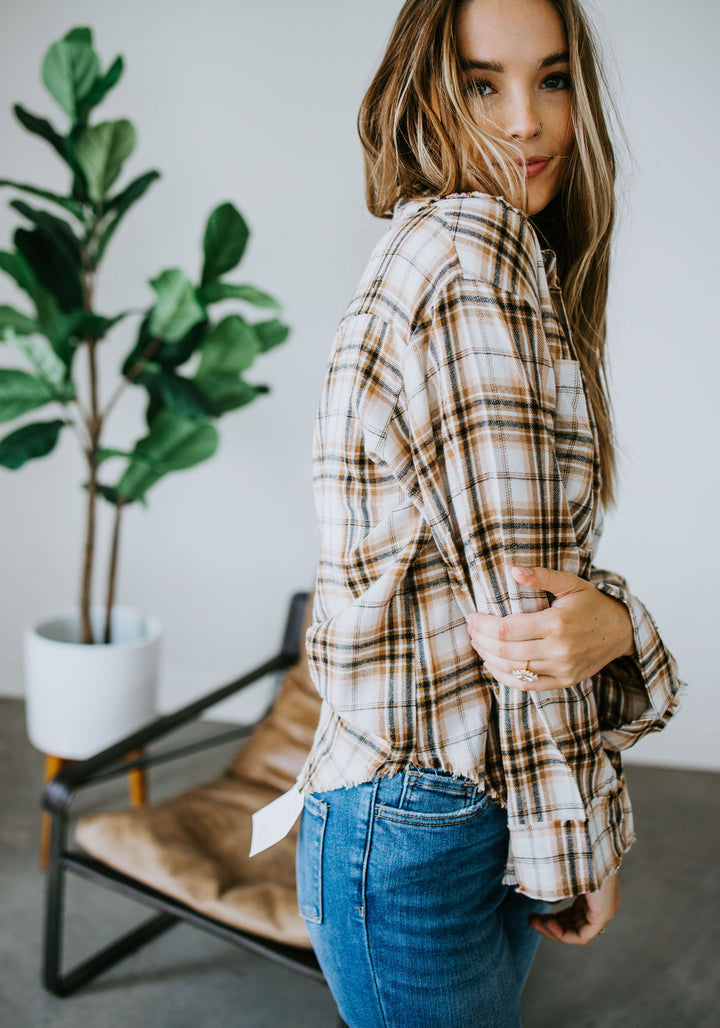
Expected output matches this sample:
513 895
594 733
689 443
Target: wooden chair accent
137 791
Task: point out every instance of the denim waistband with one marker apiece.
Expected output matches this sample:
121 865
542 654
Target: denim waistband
391 789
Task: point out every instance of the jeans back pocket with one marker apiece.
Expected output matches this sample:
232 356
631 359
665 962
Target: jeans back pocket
309 859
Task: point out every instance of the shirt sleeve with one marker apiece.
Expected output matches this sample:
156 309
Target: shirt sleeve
636 694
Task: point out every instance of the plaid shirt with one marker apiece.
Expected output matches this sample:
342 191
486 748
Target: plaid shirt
453 439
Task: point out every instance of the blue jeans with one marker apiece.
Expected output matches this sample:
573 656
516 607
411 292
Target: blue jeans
399 882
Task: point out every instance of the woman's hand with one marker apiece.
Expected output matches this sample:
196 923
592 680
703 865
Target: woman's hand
577 924
580 633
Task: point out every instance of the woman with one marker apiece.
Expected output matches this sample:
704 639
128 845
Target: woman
479 675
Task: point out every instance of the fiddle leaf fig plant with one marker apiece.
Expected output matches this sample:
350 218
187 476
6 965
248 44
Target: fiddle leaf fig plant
190 363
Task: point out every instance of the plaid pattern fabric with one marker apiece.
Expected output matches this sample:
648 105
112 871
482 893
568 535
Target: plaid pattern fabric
453 439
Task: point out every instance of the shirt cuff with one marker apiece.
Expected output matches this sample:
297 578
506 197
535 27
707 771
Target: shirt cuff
648 681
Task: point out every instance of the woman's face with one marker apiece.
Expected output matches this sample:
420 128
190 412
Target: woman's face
515 61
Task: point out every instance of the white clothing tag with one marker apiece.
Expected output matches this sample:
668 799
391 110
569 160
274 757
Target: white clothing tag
272 822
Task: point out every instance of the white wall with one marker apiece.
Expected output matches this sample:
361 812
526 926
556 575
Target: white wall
256 103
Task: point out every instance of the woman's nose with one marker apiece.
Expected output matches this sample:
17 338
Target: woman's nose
522 120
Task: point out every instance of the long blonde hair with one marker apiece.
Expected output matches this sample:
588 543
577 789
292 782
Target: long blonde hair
420 138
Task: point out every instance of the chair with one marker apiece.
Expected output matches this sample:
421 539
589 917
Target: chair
186 858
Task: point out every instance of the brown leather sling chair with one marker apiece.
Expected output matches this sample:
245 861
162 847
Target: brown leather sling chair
187 857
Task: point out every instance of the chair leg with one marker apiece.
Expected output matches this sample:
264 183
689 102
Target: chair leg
62 983
54 912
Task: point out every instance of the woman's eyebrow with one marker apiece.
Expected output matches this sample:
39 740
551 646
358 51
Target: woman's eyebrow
562 57
478 64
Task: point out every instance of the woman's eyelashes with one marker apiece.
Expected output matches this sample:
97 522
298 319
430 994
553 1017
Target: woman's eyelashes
557 81
560 80
480 87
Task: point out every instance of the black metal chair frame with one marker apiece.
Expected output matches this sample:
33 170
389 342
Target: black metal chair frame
111 763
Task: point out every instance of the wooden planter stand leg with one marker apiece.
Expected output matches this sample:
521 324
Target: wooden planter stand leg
137 781
53 766
137 791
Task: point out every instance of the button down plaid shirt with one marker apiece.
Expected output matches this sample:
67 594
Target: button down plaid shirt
454 439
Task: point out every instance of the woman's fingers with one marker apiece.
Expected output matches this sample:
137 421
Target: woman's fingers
503 644
502 651
585 919
570 934
512 627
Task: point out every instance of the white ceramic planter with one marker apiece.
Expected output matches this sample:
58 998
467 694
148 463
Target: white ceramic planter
82 698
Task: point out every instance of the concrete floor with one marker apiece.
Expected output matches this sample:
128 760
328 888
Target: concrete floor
657 966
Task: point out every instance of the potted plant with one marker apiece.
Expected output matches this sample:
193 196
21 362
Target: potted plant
91 673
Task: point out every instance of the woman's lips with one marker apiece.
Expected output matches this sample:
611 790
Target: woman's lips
535 166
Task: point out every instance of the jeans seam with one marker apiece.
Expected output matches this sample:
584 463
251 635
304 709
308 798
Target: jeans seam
366 860
317 811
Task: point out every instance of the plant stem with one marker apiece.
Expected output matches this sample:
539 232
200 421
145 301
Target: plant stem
152 347
110 599
76 427
93 421
93 426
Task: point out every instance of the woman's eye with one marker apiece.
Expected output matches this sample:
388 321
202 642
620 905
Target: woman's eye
480 87
558 81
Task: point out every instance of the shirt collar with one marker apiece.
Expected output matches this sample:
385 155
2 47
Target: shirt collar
405 208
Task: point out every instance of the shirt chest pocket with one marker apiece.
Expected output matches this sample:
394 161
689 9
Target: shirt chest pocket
571 411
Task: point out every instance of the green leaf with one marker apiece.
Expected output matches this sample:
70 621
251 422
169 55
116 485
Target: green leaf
184 396
55 229
80 34
174 392
173 443
54 255
69 71
167 355
101 88
154 408
215 291
66 202
120 205
12 319
61 144
231 347
107 492
15 265
229 392
102 150
271 333
40 127
129 195
53 324
105 453
87 325
21 392
226 236
29 443
57 326
53 265
177 309
46 362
